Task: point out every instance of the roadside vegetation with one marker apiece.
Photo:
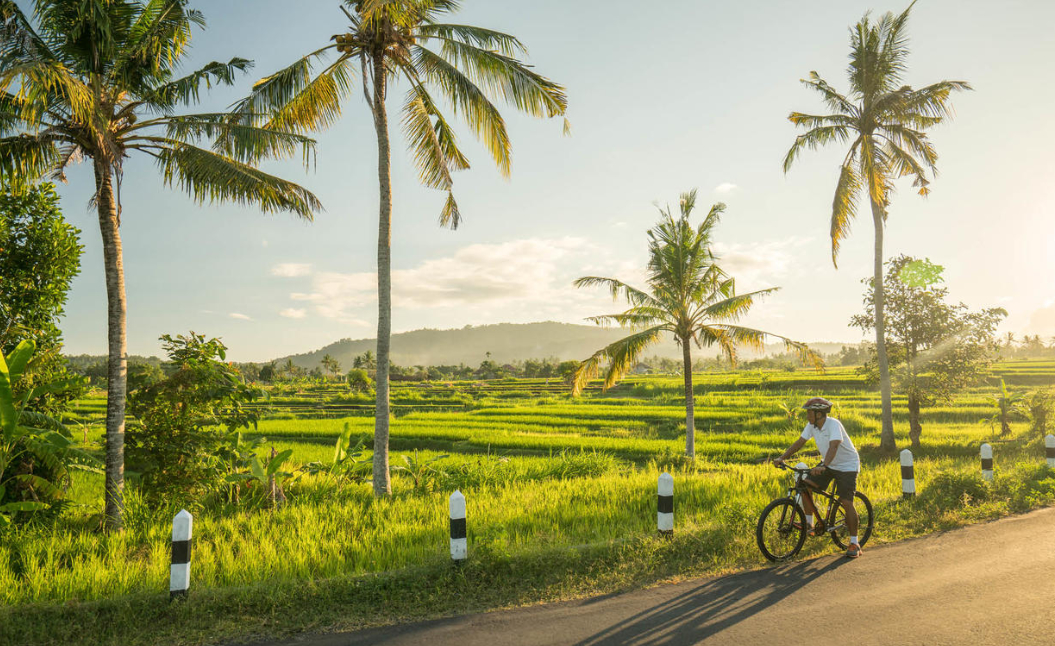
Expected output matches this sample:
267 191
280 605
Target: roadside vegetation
561 503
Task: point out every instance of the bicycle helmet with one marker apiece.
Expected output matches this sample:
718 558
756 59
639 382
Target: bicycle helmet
820 404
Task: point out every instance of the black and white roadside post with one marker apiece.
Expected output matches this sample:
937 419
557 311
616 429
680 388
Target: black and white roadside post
665 506
987 462
908 475
459 543
1049 449
179 573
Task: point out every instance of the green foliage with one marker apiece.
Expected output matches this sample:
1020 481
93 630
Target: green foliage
174 443
934 348
39 258
37 452
1008 407
359 381
1039 407
348 465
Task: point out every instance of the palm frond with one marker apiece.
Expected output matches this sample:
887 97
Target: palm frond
814 139
504 44
482 117
734 307
632 295
844 206
244 142
187 90
209 176
619 356
24 159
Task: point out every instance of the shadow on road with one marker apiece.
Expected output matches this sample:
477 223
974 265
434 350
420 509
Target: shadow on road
713 606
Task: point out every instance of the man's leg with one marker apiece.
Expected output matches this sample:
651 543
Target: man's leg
807 504
852 521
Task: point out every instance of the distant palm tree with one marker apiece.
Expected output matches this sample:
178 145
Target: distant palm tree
332 365
389 40
884 122
689 297
97 80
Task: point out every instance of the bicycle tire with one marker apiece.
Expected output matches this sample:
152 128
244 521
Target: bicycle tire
864 529
777 537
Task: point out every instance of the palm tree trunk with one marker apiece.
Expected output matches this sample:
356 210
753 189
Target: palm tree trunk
382 482
116 365
690 403
886 437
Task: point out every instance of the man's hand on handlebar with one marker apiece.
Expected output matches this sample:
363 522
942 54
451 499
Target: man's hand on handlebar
778 462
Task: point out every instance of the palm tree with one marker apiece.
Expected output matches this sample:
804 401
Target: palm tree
885 123
390 40
689 297
97 80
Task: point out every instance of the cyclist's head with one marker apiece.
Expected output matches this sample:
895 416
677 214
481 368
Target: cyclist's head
817 406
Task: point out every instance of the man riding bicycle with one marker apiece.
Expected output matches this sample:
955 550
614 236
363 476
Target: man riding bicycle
840 463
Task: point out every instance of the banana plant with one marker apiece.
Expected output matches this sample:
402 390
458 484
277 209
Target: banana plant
1009 405
348 464
267 473
421 471
37 452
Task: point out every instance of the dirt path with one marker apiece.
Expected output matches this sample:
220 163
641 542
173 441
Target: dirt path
986 584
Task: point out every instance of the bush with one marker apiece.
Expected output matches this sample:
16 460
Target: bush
175 444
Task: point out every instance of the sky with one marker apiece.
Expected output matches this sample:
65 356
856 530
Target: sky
679 96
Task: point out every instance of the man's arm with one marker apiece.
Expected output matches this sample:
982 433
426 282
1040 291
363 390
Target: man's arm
792 450
833 447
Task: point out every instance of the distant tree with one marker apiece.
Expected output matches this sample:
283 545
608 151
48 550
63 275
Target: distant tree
935 348
268 372
688 296
39 257
366 361
359 381
331 366
141 375
102 81
885 123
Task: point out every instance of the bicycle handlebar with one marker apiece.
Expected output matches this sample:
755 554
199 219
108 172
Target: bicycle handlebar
795 469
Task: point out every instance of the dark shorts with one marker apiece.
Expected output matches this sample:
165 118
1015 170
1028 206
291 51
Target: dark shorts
845 482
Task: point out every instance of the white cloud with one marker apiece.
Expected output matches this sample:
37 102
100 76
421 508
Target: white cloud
294 312
725 187
291 269
759 264
240 317
529 279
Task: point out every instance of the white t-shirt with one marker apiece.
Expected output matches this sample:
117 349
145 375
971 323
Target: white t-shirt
846 458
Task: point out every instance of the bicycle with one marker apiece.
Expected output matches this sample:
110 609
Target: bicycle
781 530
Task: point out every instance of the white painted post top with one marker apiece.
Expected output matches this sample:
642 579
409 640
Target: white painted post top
666 484
906 458
987 452
181 526
457 505
1049 441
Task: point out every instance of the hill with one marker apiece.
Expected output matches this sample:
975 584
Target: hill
507 342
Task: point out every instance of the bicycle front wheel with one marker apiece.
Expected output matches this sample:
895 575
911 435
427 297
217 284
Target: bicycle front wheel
781 530
841 535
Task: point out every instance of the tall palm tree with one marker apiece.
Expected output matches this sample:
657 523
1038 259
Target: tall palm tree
404 40
97 80
885 123
688 296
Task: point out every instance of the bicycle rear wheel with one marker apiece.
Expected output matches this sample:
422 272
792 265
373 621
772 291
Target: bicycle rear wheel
840 535
781 530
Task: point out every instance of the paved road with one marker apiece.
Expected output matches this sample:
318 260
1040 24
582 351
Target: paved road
986 584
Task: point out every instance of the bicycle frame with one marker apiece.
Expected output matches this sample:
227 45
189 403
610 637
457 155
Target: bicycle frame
800 487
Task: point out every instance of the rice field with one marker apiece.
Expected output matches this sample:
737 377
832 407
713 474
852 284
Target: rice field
543 474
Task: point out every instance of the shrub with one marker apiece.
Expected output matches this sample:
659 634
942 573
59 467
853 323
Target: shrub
175 443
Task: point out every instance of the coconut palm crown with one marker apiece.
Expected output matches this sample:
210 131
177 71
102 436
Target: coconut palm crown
99 80
884 122
447 68
688 297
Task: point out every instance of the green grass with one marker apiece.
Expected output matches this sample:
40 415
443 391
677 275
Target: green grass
561 503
